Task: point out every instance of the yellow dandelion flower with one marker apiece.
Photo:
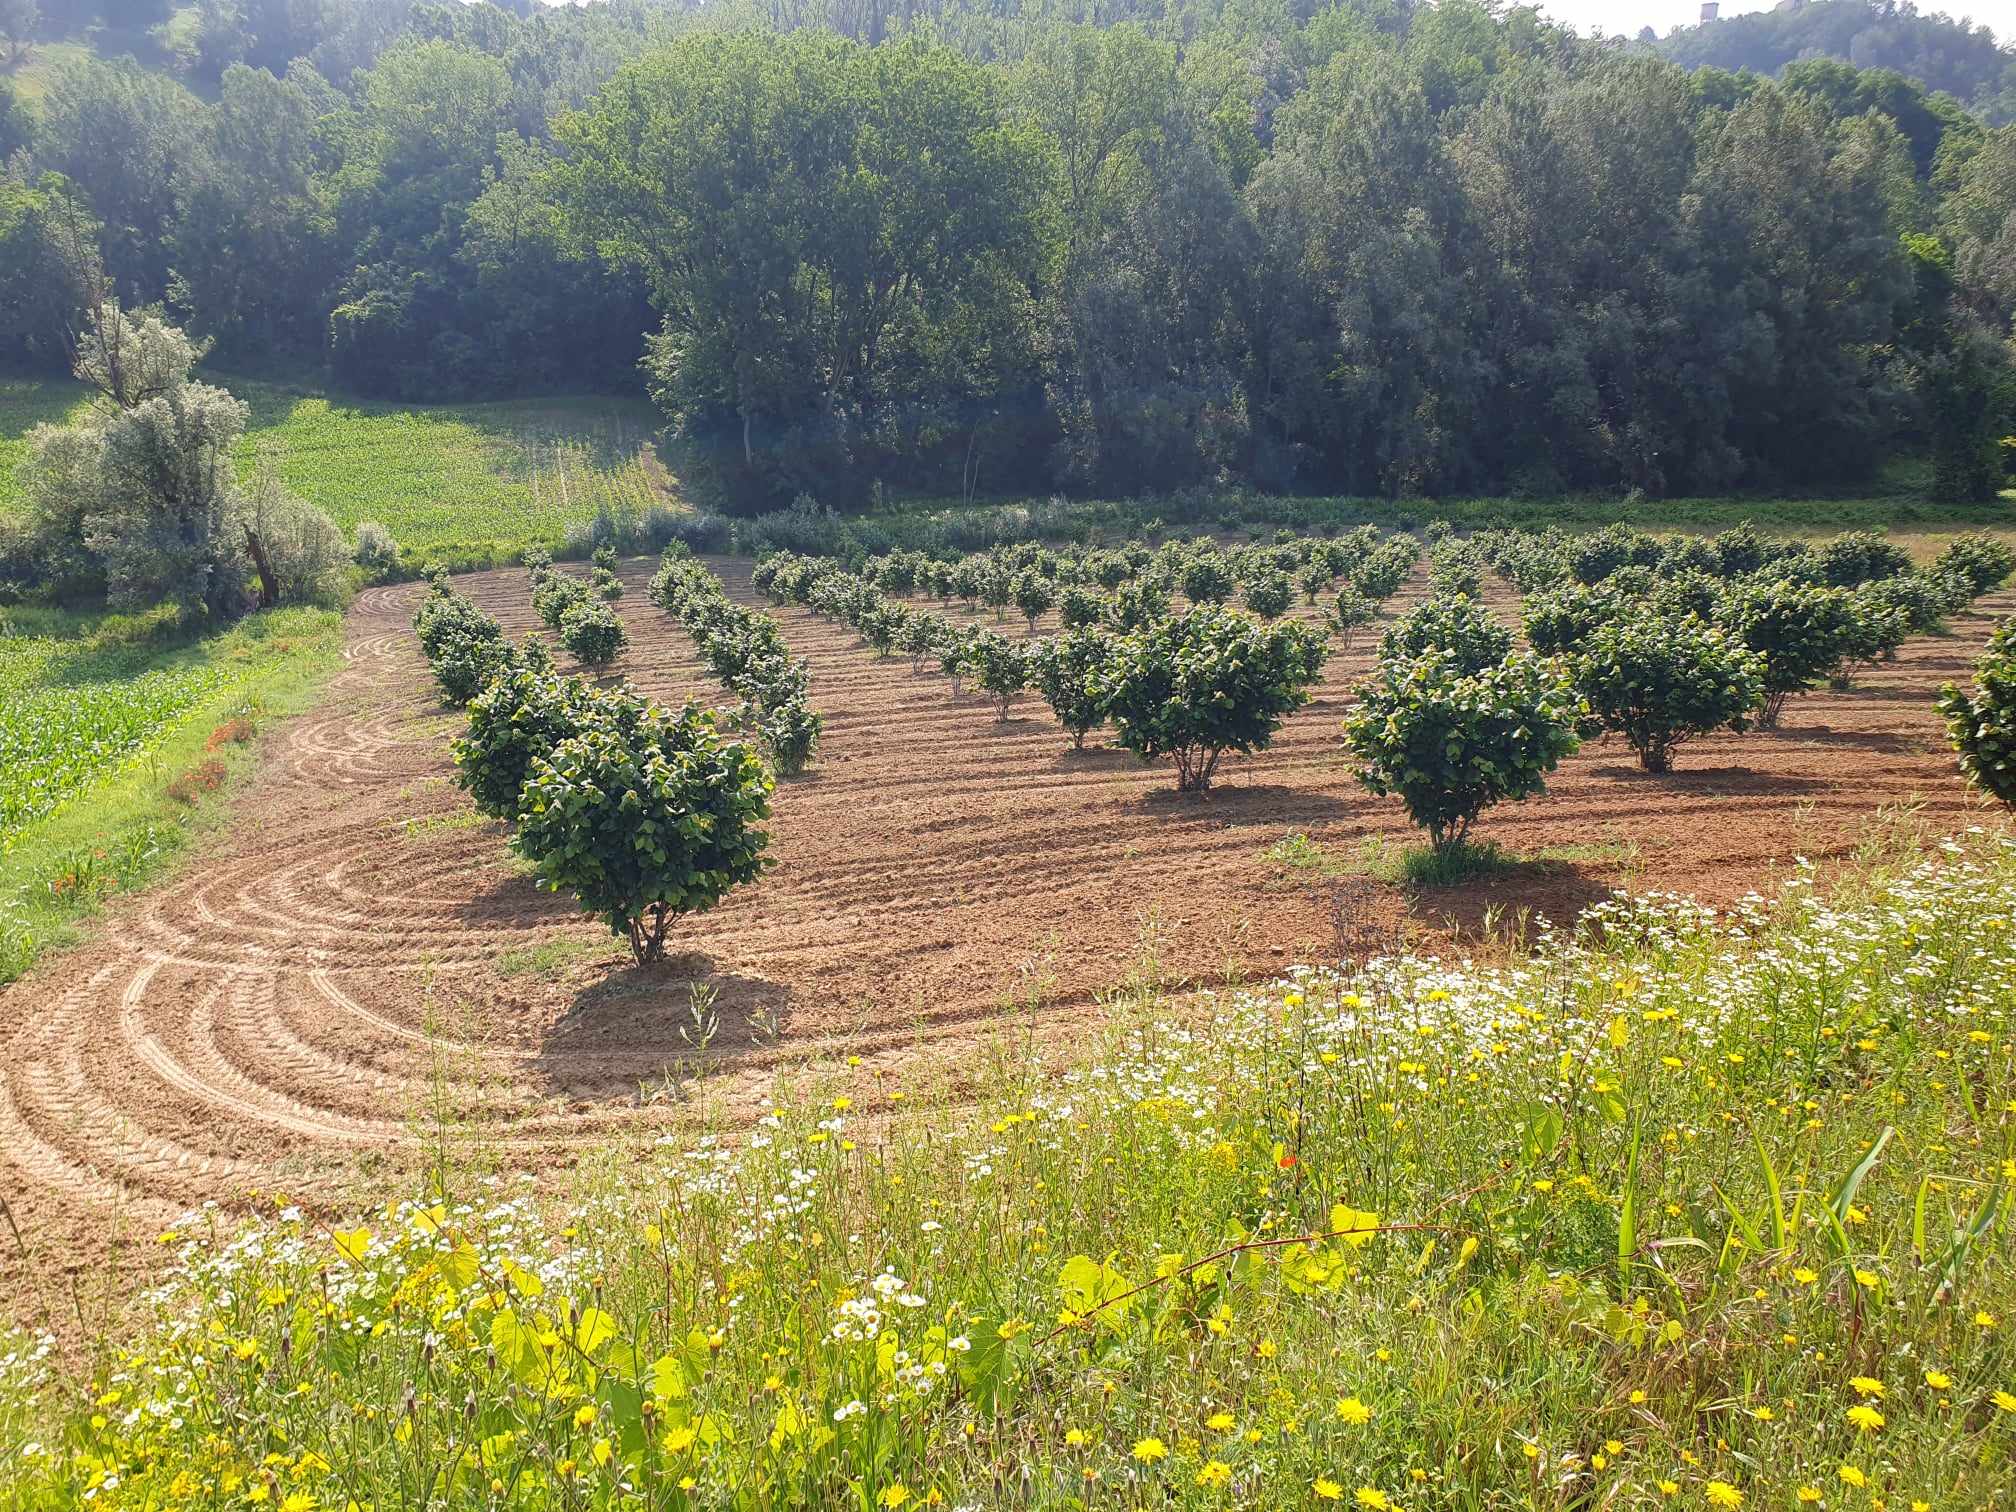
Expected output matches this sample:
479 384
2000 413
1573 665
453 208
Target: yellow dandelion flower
1327 1490
1808 1494
1722 1494
1351 1410
1372 1499
1149 1450
1219 1422
893 1496
1213 1474
2005 1401
1938 1380
1850 1476
1866 1386
1865 1417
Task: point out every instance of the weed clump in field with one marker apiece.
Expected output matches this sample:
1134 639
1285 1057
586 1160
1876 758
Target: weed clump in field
205 777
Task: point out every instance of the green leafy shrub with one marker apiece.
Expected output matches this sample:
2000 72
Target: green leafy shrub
1197 685
1207 578
1381 574
1138 603
1451 740
1458 625
376 551
1268 594
1598 554
1660 683
1349 613
999 668
522 713
1034 594
1980 561
1858 557
647 823
606 584
554 594
1065 670
1559 621
1981 723
593 633
1923 599
1079 607
1803 632
445 616
790 732
465 667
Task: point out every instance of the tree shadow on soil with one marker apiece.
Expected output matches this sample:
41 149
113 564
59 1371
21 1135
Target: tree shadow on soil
1868 740
1508 899
671 1020
1713 782
1242 804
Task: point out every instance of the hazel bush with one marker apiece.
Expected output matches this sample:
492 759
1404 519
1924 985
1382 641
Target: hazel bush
1065 671
1804 633
1451 740
646 823
1981 721
1662 682
1459 625
1199 684
593 633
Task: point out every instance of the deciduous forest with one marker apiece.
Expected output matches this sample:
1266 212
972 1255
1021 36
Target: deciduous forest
1377 247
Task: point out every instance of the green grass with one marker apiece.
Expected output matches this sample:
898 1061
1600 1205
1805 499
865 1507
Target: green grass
1676 1212
1896 502
1424 866
24 404
100 718
38 71
464 485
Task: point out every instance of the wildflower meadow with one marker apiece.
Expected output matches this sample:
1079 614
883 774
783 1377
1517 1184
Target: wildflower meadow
1676 1209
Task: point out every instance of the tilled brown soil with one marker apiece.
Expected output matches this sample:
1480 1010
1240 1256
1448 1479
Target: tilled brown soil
358 978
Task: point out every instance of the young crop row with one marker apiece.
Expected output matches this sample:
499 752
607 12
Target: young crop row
643 814
744 650
1658 651
1188 686
1085 586
1683 1210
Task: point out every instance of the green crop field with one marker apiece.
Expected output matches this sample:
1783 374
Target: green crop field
100 715
468 483
64 722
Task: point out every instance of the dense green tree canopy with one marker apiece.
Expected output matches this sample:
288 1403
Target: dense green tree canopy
1370 246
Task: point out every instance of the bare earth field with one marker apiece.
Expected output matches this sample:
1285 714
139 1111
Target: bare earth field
360 981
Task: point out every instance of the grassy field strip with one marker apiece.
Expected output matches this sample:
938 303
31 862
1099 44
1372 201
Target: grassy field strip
115 749
475 482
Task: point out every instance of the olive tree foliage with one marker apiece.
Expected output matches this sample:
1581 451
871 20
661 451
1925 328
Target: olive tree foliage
1196 685
646 824
141 495
1981 721
1451 739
